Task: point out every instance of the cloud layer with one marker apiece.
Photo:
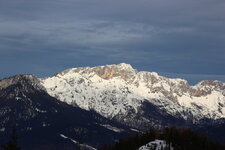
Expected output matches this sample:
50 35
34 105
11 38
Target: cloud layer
176 36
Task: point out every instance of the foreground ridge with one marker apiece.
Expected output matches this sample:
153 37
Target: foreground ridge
40 120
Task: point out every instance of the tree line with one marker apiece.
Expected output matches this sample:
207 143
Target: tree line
181 139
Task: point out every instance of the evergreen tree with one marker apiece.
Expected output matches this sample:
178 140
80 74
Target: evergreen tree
178 138
12 144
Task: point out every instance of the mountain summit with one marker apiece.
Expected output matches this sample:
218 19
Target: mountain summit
123 93
106 72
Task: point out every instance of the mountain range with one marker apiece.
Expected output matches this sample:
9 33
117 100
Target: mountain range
79 106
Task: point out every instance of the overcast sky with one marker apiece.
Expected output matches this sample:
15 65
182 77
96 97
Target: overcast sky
180 38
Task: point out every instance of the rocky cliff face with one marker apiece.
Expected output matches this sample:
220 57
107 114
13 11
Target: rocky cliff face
119 91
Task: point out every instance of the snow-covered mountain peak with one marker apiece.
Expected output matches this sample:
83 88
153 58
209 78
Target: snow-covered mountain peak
124 66
211 85
106 72
125 71
112 90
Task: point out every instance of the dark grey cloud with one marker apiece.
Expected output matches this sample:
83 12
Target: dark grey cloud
176 36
